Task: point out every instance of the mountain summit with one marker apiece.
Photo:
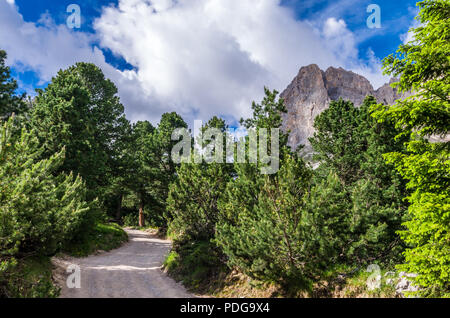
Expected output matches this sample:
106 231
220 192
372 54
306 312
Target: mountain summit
312 90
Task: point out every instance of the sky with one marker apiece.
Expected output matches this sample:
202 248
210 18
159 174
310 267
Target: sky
199 58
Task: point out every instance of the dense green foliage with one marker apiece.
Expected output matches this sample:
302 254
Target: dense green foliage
30 277
193 198
143 161
270 240
10 102
424 67
104 237
350 143
164 167
39 211
376 191
79 110
193 213
150 170
289 228
195 263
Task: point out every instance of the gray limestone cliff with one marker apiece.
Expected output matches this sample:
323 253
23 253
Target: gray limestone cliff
311 92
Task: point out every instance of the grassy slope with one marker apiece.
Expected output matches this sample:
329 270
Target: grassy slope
30 277
104 237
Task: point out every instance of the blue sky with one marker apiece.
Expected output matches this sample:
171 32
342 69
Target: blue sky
199 57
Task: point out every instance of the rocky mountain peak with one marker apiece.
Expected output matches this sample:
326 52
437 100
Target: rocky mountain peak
342 83
312 90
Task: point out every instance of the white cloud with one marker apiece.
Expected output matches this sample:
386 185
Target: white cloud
197 57
210 57
342 42
339 39
409 36
47 48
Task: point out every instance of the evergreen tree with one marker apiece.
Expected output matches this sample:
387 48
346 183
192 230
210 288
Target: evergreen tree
242 193
262 229
338 143
326 221
39 210
350 143
80 110
269 241
10 102
193 200
122 170
192 203
165 167
424 67
144 165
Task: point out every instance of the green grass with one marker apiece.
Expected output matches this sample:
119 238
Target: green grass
103 237
29 277
357 286
343 281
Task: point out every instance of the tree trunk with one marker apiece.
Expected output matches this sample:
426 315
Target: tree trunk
141 214
119 208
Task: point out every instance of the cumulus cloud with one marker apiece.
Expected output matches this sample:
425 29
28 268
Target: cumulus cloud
208 57
339 39
45 48
342 42
197 57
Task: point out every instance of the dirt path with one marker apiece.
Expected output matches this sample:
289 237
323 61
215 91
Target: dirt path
133 270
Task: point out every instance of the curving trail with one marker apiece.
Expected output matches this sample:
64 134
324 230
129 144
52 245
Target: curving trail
131 271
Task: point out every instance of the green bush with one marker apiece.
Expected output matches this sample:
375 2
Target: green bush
350 144
193 200
39 211
270 240
131 220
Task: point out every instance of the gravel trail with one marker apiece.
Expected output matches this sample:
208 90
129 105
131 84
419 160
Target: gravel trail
131 271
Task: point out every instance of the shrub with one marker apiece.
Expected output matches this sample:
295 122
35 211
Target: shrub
38 210
270 240
350 144
193 200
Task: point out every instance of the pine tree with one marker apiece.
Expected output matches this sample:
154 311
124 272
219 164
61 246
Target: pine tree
122 170
350 143
80 110
242 193
337 142
39 210
165 167
192 204
10 102
192 201
144 162
268 239
326 222
262 230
